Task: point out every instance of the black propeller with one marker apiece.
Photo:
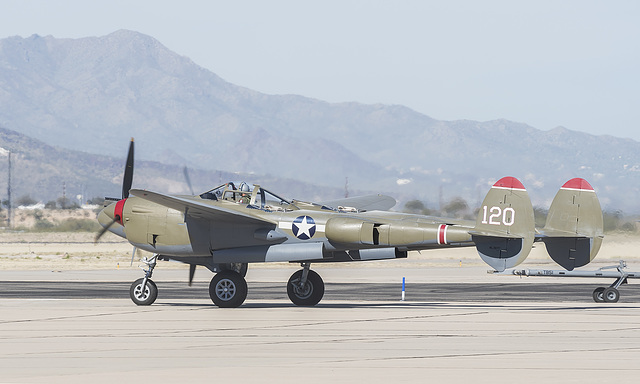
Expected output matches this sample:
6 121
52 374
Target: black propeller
103 230
128 173
192 272
126 186
192 267
188 179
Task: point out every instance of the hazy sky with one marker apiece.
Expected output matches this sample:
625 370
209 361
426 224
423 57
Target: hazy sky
544 63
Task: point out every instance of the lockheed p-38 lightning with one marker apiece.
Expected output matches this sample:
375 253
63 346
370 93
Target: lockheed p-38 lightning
235 224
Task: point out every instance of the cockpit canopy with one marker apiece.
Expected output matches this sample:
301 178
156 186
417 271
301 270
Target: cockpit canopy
253 196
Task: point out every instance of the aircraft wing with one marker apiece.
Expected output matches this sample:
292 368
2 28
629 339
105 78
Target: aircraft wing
364 203
199 209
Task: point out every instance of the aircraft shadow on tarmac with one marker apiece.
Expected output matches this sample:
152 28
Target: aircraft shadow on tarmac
356 293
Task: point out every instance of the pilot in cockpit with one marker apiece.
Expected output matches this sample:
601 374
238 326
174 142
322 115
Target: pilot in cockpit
245 195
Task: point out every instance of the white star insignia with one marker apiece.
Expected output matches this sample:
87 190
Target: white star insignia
304 227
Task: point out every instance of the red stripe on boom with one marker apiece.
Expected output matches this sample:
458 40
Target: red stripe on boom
442 239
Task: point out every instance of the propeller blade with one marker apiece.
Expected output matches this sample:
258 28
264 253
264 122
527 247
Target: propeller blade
128 173
133 254
103 231
187 179
192 272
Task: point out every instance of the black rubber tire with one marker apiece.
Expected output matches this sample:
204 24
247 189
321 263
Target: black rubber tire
148 297
598 295
611 295
228 289
312 292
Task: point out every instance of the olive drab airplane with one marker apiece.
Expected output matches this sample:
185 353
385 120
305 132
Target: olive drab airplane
236 224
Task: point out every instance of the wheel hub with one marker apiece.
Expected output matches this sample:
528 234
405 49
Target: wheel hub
140 294
225 289
303 292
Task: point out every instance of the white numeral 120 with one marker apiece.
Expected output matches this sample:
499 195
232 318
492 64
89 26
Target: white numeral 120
497 216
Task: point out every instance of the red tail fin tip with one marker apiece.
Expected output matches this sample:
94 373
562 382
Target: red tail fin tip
579 184
509 182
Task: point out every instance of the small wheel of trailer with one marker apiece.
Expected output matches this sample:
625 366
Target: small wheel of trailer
228 289
144 296
611 295
598 295
308 295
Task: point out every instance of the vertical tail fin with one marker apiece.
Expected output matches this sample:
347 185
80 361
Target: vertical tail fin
505 227
573 232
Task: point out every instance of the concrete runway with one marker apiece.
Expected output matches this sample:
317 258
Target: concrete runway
82 327
417 292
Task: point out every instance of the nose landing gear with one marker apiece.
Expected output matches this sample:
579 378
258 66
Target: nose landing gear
144 291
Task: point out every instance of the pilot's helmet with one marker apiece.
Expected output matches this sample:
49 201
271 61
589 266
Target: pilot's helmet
244 187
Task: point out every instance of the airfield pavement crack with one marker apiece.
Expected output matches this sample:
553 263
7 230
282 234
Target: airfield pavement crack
353 321
485 354
72 317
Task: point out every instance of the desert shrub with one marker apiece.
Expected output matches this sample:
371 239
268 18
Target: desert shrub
43 225
78 225
26 200
67 225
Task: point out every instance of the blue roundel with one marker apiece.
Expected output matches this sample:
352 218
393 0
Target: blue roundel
304 227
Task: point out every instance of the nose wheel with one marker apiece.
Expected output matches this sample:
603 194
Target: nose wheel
144 291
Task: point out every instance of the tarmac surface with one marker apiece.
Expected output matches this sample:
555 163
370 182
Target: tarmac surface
454 326
365 292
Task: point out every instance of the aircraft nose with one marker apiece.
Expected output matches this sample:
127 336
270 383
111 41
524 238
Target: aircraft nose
106 215
110 218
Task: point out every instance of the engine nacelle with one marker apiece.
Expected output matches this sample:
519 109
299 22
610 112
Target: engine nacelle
348 230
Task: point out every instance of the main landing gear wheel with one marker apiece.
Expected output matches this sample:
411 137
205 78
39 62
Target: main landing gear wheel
611 295
228 289
310 293
144 296
598 295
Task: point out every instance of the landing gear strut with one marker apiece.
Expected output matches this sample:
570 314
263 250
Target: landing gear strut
305 287
144 291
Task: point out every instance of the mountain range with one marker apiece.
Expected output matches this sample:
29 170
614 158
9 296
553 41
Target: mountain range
85 96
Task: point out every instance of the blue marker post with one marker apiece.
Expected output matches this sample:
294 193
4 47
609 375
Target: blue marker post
403 288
